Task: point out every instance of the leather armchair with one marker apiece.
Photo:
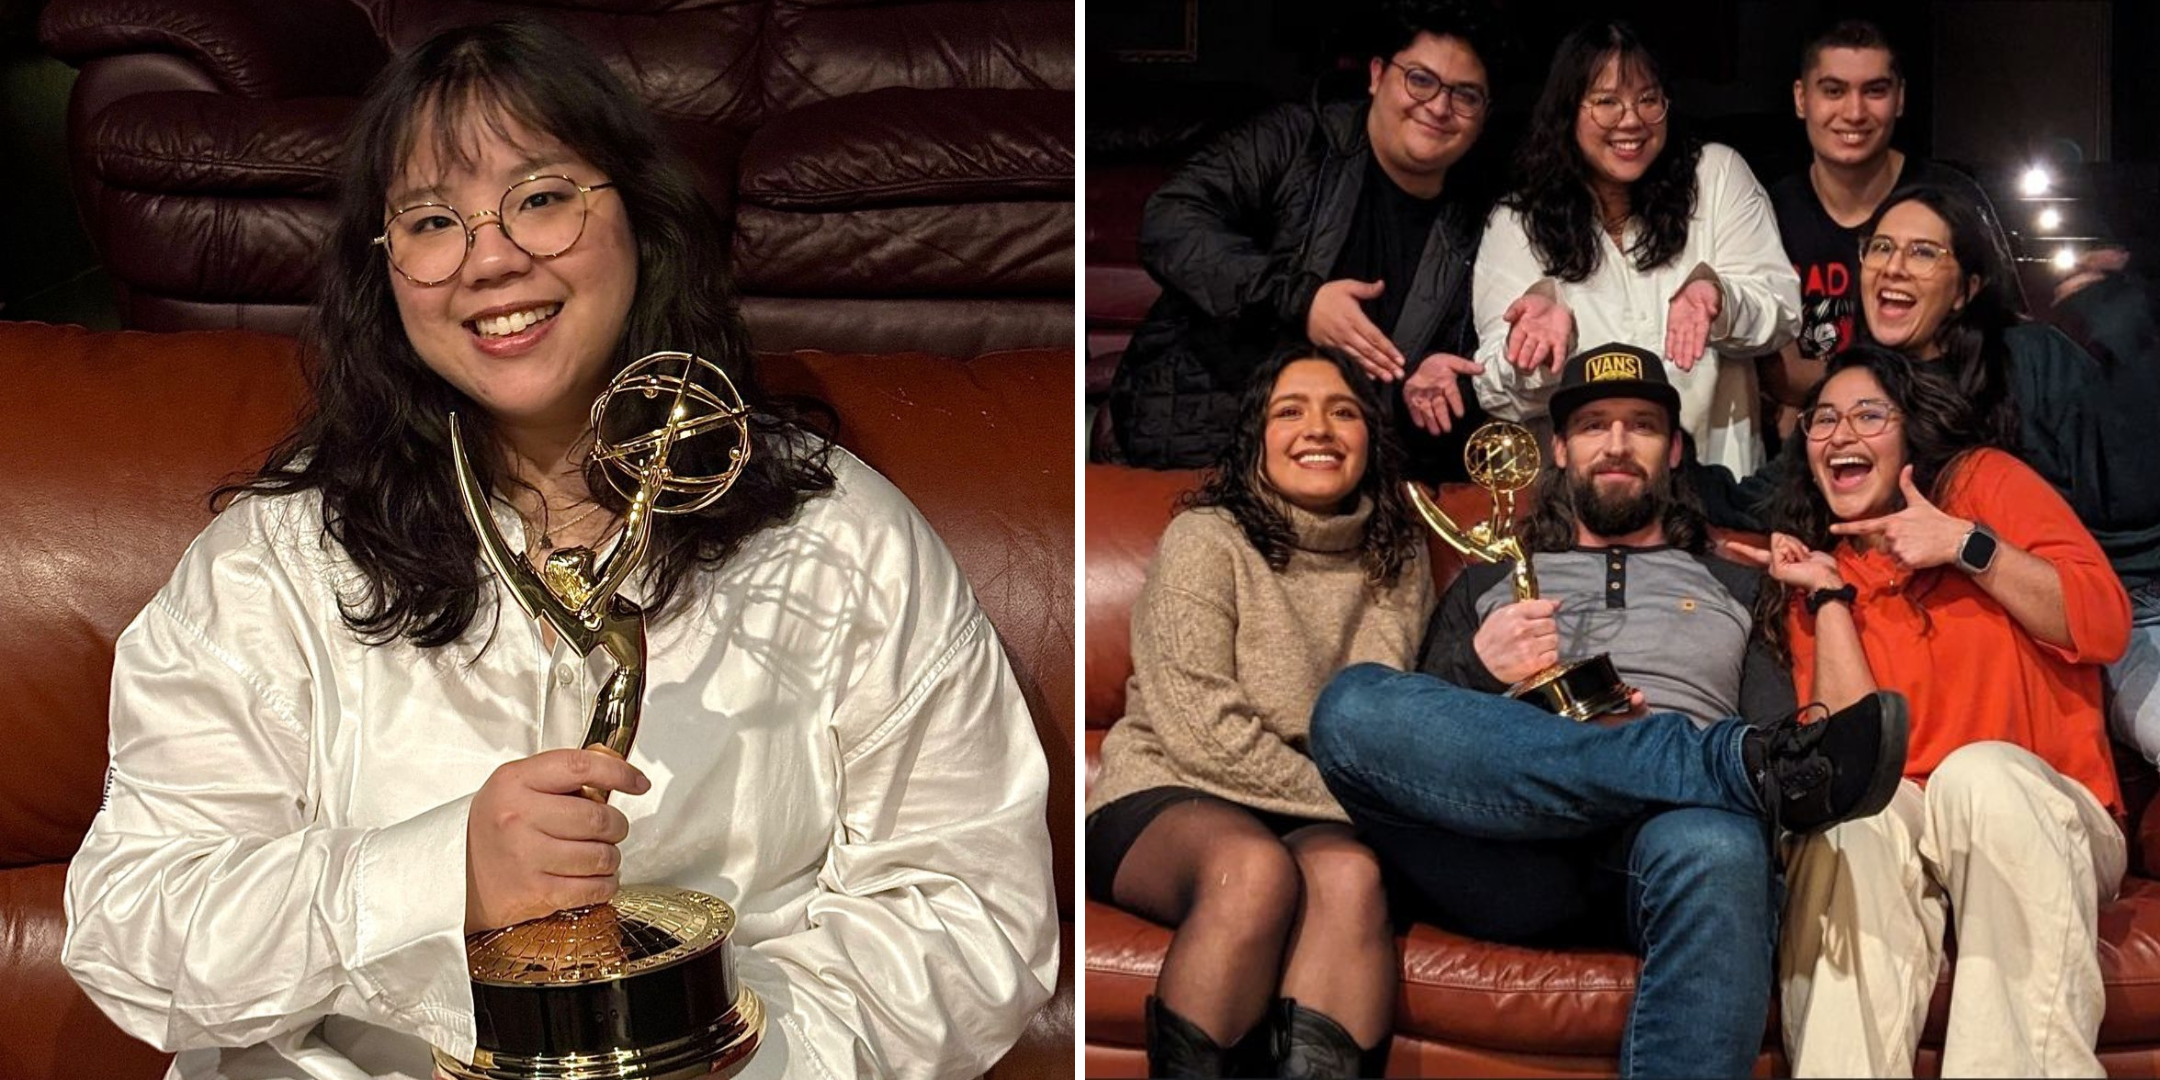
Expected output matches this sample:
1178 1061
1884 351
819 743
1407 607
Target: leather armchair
1474 1008
899 174
112 441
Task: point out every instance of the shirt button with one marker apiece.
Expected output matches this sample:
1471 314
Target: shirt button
1615 586
565 674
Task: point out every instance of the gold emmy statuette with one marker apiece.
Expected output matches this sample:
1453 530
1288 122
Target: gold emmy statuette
642 987
1503 458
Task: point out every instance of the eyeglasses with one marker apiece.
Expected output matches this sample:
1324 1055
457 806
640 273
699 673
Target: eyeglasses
1607 110
1922 257
1868 419
543 215
1464 99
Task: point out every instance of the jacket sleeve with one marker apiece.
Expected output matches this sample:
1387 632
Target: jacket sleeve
1506 269
1762 291
1206 231
933 934
1450 651
206 907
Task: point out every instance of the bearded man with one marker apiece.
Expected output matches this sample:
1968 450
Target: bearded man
1651 831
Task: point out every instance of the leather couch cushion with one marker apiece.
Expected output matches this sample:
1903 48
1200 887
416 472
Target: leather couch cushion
109 465
903 146
984 249
189 142
820 49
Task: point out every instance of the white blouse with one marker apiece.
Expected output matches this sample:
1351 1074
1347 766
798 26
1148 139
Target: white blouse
275 884
1733 232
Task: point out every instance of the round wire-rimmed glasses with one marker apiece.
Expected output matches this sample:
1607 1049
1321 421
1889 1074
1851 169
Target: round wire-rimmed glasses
1607 110
544 215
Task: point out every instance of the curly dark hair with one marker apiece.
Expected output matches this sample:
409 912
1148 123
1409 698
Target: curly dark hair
1237 484
1939 427
376 445
1973 353
1552 189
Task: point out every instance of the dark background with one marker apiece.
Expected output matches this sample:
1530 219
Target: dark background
1992 85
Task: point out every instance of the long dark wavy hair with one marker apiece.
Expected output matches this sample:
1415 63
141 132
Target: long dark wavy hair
376 445
1237 484
1975 357
1552 188
1553 513
1939 426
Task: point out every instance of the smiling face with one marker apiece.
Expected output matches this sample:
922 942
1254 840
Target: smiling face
1619 155
1850 101
1905 305
528 339
1618 454
1424 138
1313 450
1857 474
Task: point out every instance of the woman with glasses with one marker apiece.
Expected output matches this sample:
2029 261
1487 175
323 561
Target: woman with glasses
1919 556
1622 229
1936 286
337 750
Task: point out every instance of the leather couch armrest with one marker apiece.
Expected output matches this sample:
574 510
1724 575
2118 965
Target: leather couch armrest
253 48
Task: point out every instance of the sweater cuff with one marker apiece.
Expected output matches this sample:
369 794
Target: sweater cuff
409 886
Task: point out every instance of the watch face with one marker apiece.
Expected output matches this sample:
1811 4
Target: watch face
1978 551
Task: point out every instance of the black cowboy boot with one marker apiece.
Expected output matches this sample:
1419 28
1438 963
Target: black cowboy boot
1177 1047
1315 1047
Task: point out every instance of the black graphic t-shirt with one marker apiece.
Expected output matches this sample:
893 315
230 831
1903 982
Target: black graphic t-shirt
1826 255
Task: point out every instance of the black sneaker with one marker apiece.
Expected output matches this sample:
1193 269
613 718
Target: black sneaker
1809 777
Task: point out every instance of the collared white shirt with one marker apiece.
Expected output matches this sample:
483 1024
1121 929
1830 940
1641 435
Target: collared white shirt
837 747
1733 232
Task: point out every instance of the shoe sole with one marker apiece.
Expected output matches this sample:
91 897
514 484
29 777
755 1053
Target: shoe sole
1893 739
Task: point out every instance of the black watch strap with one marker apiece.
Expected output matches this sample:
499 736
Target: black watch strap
1815 600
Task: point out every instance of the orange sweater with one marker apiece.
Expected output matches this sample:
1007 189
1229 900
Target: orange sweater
1970 672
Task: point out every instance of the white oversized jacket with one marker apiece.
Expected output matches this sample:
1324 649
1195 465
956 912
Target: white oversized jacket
275 885
1733 232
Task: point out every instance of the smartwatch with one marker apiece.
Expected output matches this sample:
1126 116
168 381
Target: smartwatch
1977 551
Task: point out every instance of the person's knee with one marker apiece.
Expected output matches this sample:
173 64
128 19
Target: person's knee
1252 881
1985 786
1342 883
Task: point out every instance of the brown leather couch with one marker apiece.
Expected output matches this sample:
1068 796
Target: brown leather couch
110 442
899 172
1472 1008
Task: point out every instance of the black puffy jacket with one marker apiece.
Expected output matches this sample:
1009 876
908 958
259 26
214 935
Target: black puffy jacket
1240 238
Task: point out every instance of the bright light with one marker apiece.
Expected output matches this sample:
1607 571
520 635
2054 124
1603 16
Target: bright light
2050 219
2036 181
2065 260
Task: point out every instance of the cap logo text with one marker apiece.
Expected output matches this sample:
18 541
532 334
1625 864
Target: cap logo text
1606 367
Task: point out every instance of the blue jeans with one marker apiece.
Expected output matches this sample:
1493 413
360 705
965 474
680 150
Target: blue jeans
1517 825
2133 682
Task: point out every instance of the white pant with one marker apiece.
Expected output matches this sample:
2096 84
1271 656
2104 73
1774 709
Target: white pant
2021 856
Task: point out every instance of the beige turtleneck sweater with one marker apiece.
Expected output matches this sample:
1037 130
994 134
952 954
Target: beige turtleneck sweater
1228 656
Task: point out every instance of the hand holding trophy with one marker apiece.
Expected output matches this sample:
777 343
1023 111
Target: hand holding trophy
641 987
1503 458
